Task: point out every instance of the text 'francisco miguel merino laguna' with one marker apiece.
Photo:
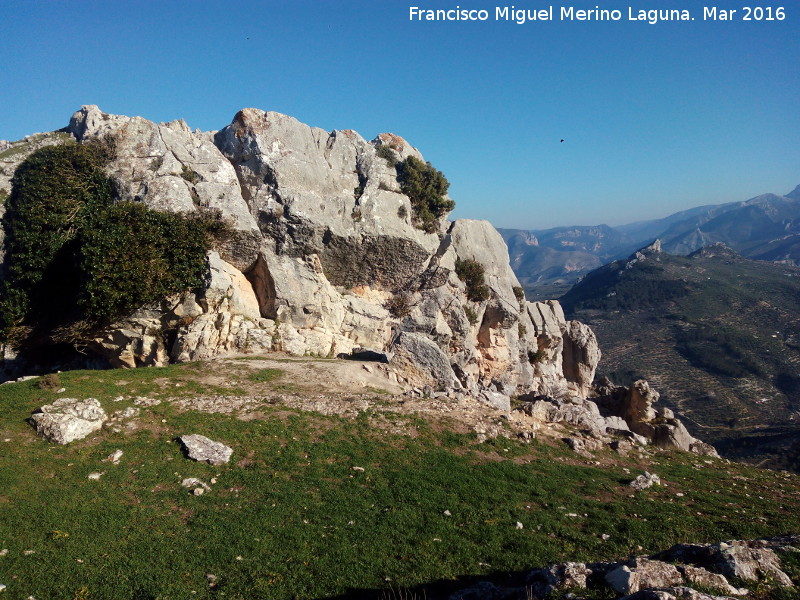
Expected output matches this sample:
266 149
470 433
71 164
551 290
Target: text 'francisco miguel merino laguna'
570 13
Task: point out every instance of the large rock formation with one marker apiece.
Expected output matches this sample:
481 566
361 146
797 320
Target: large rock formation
326 258
634 405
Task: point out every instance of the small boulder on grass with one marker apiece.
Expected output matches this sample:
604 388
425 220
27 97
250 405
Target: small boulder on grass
644 481
202 449
68 419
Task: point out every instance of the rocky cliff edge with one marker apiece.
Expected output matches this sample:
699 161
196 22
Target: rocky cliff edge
325 259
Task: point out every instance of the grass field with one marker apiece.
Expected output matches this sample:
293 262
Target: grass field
315 506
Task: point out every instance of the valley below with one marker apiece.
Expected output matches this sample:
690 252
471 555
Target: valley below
716 334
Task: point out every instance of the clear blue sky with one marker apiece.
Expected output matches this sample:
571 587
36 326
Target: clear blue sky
655 118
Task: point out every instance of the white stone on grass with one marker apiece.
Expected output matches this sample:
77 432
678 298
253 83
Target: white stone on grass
202 449
68 419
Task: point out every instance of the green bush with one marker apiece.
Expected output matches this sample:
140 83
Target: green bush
132 256
471 273
472 316
536 357
399 305
74 257
55 191
189 175
519 293
720 350
386 153
426 187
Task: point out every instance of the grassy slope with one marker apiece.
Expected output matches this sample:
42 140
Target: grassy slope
717 336
289 517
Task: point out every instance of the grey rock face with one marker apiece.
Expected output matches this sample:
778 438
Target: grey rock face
581 355
702 577
224 318
640 578
497 400
325 258
748 560
202 449
577 412
167 165
673 593
68 419
422 360
643 573
635 406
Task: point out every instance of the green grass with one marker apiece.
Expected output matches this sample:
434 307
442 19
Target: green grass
289 517
264 375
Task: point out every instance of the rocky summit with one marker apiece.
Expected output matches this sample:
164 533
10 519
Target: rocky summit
324 259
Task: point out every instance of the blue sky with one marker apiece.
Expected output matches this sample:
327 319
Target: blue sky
655 118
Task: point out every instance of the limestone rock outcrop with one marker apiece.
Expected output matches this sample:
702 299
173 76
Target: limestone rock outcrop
669 575
634 405
202 449
68 419
325 257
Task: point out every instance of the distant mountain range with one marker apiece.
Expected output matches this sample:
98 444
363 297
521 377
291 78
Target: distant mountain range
718 335
547 262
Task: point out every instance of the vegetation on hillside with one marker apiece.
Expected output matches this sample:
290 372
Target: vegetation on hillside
716 334
73 255
426 187
616 288
721 351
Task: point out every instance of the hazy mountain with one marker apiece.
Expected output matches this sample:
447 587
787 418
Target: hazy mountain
651 229
744 226
548 261
717 334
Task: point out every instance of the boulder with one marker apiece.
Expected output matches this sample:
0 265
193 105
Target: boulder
68 419
750 561
673 593
669 434
543 582
202 449
644 481
581 355
642 573
701 577
422 361
577 412
634 405
167 166
640 400
497 400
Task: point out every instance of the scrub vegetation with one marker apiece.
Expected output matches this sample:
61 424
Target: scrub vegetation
75 256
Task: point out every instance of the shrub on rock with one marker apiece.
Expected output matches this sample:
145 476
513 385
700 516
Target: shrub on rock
427 188
471 272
